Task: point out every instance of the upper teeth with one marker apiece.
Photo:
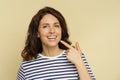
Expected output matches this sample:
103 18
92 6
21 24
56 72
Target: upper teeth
51 37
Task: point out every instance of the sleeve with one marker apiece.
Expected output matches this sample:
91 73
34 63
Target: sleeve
88 67
21 73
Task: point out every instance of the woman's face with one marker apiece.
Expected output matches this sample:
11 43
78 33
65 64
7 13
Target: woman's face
49 31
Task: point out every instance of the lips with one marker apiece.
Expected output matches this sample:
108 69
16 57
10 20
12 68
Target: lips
52 37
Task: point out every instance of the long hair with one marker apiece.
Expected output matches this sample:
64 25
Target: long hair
33 44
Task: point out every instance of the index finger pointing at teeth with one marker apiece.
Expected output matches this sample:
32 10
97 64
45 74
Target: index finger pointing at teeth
66 44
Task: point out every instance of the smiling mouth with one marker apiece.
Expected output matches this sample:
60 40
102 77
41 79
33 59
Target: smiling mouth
52 37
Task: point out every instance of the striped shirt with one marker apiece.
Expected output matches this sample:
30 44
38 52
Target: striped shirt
51 68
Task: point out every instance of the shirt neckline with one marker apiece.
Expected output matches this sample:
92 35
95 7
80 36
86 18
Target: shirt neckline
52 57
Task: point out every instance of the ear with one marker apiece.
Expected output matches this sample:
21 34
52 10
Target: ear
38 35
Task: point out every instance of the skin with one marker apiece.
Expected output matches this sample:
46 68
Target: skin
50 33
74 55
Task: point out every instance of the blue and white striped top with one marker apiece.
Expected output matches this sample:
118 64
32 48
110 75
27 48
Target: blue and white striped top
50 68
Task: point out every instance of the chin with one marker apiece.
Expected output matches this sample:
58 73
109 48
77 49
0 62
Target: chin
53 44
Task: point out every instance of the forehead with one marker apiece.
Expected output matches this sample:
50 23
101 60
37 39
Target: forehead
49 18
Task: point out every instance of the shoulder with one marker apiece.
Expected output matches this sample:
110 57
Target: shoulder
30 62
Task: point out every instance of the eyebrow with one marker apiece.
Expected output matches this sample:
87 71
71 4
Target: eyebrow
56 23
45 24
48 23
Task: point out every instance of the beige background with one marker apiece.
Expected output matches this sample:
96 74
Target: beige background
95 24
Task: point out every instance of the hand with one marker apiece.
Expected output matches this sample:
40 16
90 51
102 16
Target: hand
73 53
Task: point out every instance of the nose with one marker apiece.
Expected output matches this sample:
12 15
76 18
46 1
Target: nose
52 30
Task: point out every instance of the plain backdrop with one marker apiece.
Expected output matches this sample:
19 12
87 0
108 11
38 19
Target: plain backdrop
95 24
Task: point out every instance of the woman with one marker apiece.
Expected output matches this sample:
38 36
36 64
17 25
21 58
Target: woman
48 54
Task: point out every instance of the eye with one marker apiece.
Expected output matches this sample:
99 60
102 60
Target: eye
45 26
57 26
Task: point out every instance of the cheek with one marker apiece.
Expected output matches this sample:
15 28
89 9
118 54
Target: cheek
40 34
59 31
43 32
60 34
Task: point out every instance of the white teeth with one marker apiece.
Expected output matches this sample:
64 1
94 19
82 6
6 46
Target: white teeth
51 37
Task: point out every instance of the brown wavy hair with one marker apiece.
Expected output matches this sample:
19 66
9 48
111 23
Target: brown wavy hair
33 44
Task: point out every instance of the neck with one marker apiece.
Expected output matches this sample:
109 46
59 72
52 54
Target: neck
51 51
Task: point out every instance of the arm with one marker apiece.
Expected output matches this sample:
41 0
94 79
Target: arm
21 74
82 71
76 57
86 66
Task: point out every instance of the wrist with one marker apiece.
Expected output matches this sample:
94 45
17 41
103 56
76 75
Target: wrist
79 63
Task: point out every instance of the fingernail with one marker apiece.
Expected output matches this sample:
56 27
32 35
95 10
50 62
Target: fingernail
61 41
